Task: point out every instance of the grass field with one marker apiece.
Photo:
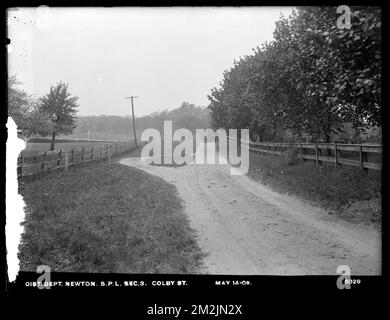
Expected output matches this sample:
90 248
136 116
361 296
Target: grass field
346 191
105 217
98 136
45 146
35 147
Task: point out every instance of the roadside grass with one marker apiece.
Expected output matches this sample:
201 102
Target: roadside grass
346 191
106 217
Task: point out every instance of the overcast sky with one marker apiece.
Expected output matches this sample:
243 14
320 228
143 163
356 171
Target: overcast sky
163 55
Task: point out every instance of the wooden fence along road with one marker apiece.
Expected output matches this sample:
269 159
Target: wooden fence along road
31 163
357 155
364 156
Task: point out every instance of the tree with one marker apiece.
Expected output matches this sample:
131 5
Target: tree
38 123
311 80
230 104
18 103
328 76
23 108
60 107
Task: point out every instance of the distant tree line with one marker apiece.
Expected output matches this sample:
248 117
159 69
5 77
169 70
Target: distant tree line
54 115
186 116
314 81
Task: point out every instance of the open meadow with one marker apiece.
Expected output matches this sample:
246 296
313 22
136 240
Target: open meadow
45 146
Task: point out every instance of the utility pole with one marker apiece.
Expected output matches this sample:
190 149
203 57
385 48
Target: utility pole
132 111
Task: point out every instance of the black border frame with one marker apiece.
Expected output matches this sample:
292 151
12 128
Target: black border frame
205 284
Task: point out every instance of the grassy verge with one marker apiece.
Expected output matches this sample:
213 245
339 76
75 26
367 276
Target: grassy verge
348 192
105 217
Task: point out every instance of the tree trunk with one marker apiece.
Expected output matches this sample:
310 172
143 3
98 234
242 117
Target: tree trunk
53 138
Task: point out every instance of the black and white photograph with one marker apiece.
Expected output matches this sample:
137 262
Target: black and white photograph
235 143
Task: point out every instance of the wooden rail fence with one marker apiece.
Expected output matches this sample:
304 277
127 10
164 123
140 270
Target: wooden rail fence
31 163
364 156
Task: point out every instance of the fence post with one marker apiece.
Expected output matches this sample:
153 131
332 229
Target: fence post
336 156
317 154
109 153
43 162
66 161
303 159
92 153
363 158
82 154
72 156
59 159
100 152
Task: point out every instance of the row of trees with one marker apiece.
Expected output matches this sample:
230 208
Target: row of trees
186 116
52 114
310 81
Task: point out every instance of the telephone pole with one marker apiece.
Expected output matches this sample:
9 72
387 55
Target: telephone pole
132 111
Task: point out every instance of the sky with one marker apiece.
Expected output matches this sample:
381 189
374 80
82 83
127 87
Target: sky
162 55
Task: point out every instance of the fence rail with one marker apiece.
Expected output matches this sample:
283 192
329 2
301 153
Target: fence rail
39 162
358 155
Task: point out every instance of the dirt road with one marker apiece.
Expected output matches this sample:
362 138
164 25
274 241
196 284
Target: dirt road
246 228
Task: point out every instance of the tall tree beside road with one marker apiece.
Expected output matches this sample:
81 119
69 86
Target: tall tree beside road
229 105
311 79
336 71
61 108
